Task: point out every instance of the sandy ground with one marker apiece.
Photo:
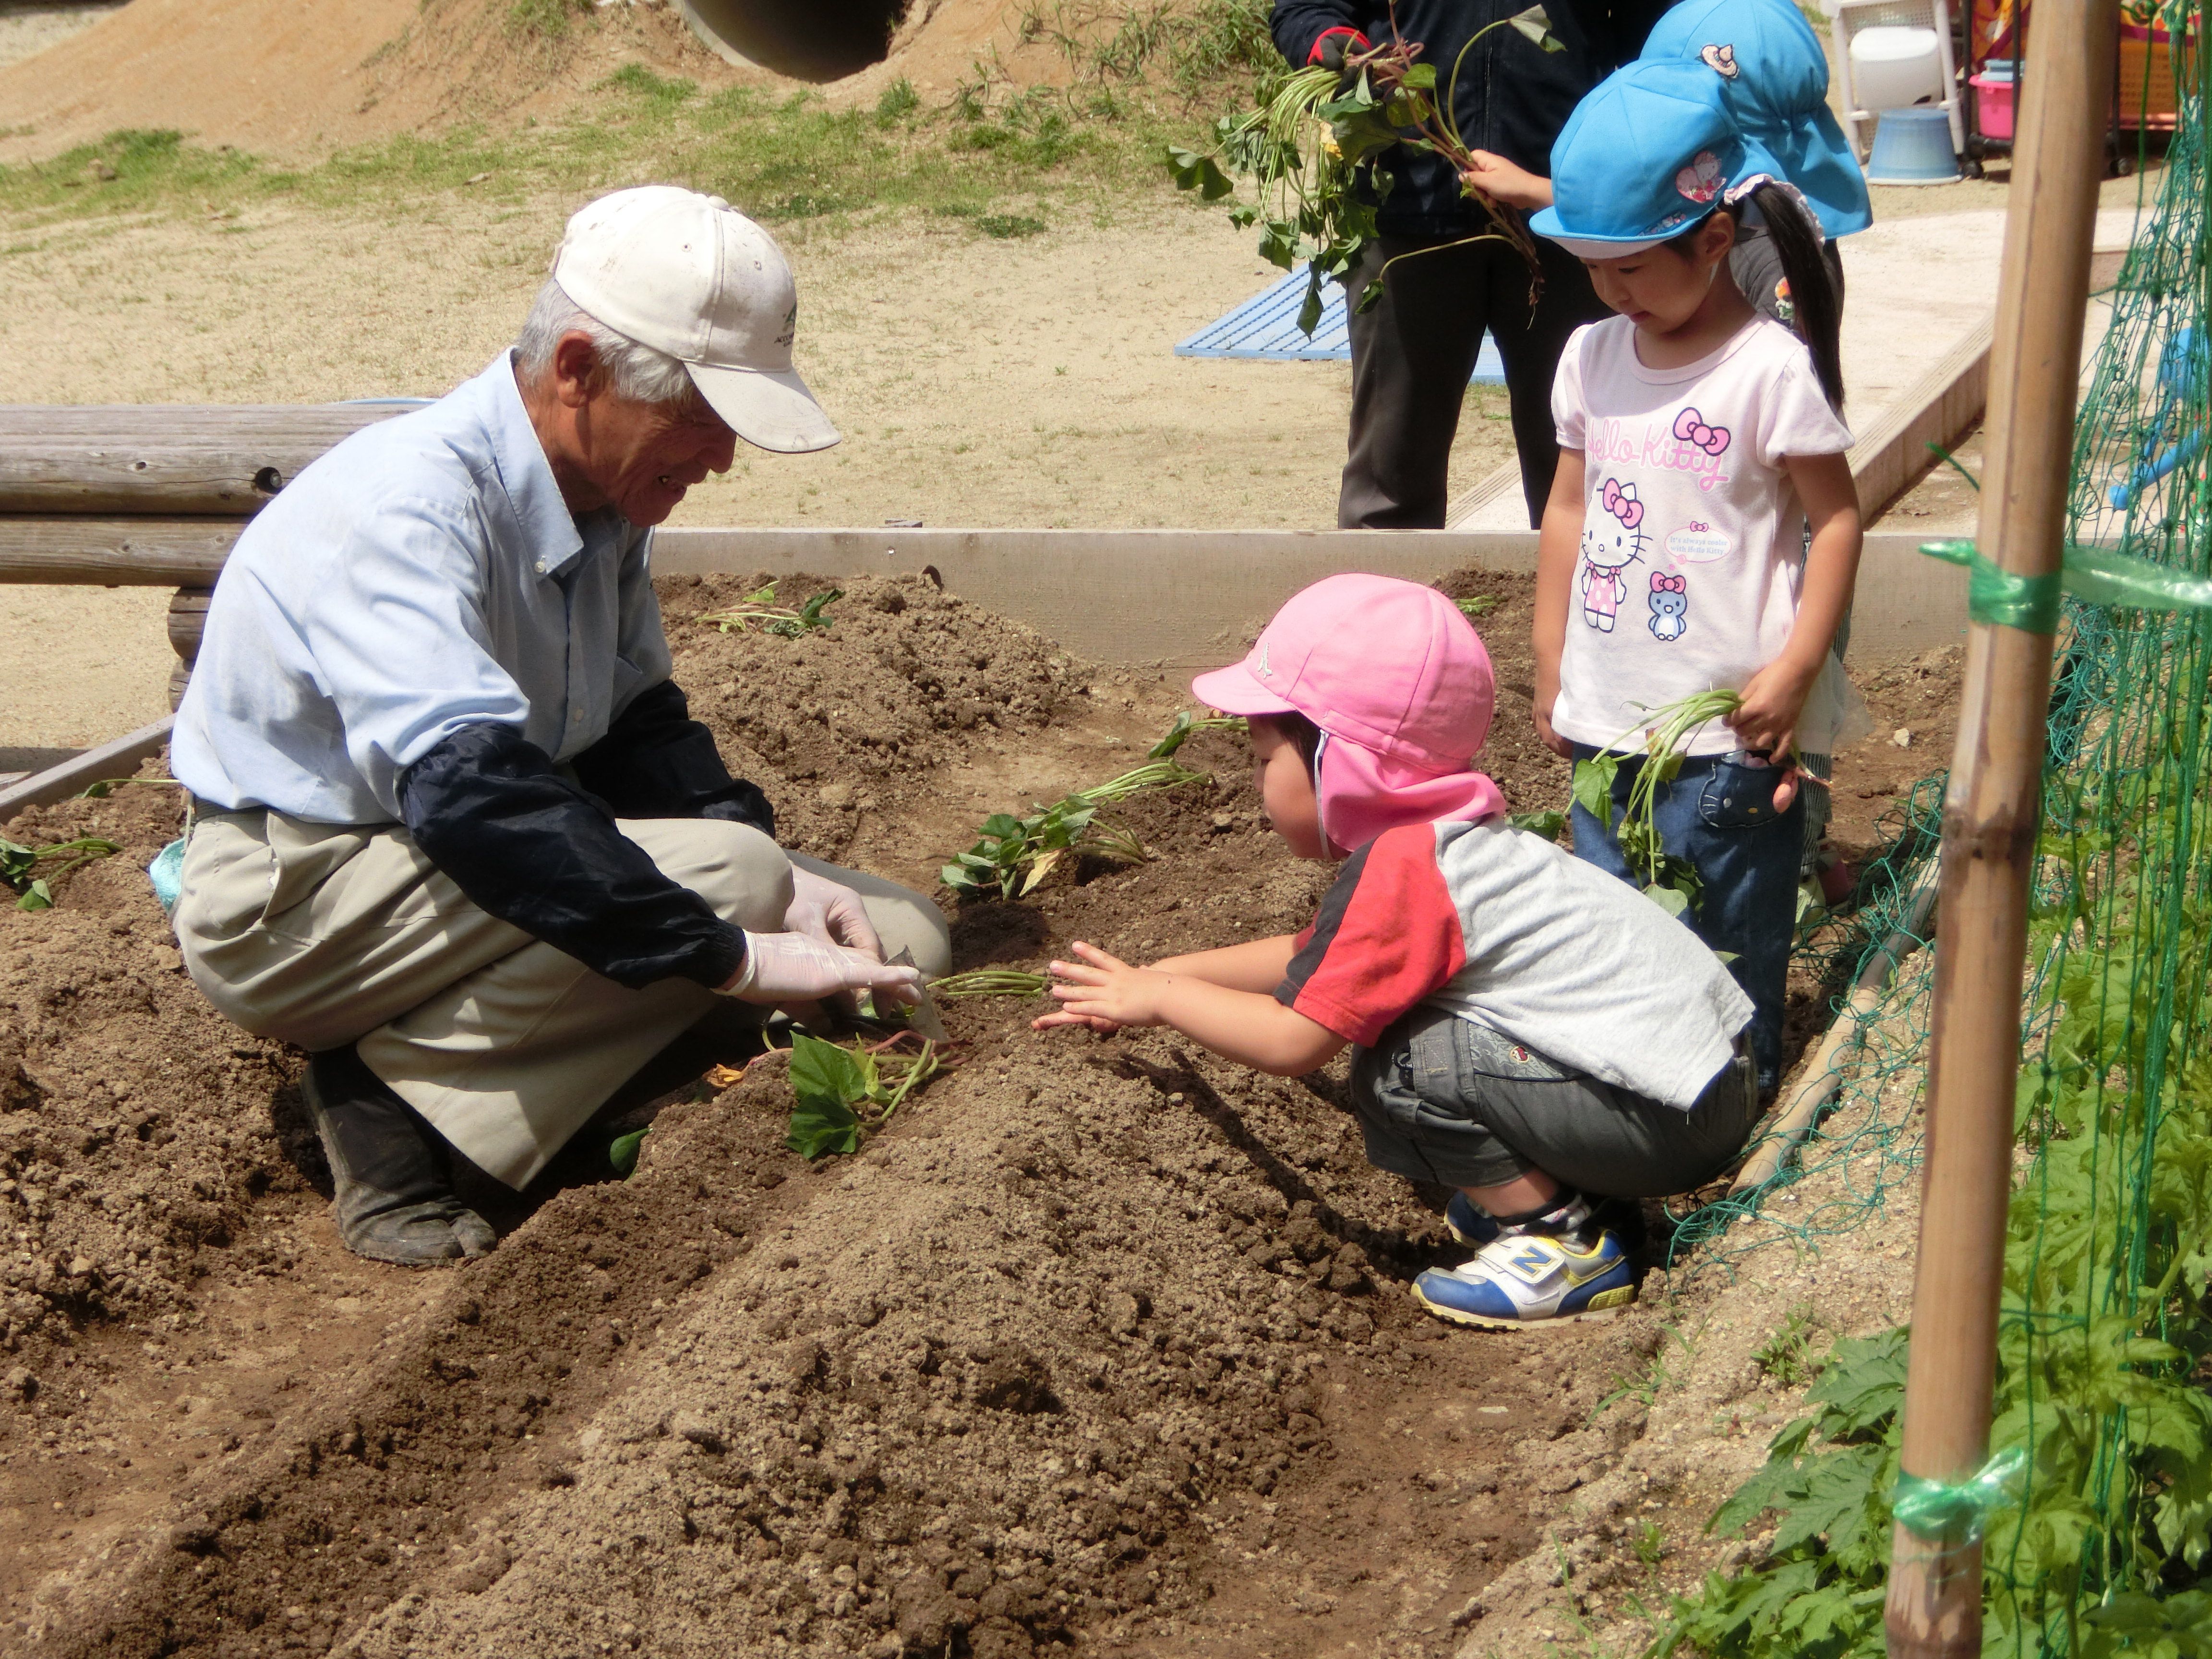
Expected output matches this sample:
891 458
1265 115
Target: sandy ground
978 382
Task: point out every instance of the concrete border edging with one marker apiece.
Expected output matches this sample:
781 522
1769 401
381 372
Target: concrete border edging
1183 598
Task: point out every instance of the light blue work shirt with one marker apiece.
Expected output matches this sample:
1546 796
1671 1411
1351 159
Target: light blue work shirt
424 576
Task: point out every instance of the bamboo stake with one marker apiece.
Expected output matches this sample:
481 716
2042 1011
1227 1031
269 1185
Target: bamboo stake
1990 815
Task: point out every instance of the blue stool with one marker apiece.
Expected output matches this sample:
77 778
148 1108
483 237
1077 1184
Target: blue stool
1913 147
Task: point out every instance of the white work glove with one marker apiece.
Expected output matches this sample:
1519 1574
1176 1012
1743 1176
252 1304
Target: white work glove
822 909
789 968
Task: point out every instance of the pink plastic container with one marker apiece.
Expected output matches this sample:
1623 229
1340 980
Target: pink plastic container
1992 104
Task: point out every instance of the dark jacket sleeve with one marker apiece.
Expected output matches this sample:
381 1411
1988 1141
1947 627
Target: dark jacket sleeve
487 807
656 762
1297 24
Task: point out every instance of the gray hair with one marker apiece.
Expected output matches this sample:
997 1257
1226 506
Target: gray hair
640 372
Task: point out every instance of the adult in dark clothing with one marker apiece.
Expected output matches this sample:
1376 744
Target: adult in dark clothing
1413 353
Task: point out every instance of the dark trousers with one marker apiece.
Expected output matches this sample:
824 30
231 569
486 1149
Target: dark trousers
1412 355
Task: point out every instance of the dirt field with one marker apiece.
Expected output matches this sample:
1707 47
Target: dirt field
1104 1344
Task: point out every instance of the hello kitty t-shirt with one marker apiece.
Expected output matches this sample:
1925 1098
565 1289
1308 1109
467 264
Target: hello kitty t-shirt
1693 546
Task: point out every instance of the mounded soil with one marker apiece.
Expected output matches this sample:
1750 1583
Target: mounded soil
1104 1345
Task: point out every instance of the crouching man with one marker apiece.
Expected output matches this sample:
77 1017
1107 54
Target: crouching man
453 830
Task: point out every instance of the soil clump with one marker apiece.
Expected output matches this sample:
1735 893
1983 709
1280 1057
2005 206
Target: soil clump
1103 1345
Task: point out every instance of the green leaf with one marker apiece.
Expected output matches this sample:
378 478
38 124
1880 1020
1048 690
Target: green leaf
820 1128
825 1071
1549 824
1421 77
1002 825
622 1152
1370 296
37 897
1309 312
1593 785
1481 604
1176 735
99 791
1673 899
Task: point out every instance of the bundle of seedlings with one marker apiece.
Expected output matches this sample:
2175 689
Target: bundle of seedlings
1015 855
1671 883
759 608
1316 153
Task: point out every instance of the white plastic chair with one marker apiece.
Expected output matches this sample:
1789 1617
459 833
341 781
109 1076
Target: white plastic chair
1852 17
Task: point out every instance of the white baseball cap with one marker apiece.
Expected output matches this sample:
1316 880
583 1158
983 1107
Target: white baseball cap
690 276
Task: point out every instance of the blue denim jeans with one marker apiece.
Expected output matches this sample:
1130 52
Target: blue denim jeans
1719 814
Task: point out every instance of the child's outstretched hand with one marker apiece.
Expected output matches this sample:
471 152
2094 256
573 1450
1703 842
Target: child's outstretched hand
1502 181
1103 993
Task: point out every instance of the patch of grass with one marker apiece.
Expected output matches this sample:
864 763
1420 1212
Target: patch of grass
1138 79
898 101
664 91
1786 1356
546 19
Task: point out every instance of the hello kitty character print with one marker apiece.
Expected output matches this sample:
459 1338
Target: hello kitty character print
1701 179
1613 539
1670 605
1690 428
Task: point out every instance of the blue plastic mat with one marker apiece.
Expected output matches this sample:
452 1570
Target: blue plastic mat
1267 325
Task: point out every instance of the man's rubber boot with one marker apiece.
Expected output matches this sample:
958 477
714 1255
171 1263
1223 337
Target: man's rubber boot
394 1200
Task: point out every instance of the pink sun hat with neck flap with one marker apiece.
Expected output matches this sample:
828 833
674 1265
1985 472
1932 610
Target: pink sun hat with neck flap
1389 664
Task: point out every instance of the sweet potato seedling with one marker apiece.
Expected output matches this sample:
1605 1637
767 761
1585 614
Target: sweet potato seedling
17 862
758 609
1314 151
1015 855
843 1095
1671 883
1186 726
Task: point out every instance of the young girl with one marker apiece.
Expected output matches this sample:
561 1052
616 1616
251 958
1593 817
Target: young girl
1697 441
1525 1028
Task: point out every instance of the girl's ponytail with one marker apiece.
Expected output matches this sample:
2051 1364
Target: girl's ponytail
1812 288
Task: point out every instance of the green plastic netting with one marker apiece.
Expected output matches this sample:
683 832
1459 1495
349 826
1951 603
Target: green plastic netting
2105 1336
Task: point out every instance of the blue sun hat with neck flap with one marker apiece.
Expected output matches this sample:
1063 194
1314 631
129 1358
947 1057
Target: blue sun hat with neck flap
1652 150
1774 78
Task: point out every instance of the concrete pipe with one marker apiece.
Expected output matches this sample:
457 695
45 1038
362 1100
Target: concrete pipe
806 40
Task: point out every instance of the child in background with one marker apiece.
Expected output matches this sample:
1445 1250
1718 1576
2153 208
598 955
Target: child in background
1698 441
1525 1028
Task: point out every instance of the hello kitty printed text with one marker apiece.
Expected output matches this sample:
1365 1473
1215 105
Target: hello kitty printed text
1675 448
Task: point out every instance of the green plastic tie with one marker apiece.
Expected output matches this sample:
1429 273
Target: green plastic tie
2096 575
1958 1511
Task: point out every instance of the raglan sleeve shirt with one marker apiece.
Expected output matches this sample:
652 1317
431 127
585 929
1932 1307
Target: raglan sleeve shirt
1388 937
1795 415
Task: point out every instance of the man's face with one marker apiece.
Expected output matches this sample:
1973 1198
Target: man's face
643 457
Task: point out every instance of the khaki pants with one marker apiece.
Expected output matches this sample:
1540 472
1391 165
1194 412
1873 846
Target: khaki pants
325 934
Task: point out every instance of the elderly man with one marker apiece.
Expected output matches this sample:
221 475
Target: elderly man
454 832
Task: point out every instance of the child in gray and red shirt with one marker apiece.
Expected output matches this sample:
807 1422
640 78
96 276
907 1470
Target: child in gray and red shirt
1525 1028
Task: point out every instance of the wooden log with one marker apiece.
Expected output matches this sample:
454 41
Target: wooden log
115 552
165 459
187 619
1989 815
